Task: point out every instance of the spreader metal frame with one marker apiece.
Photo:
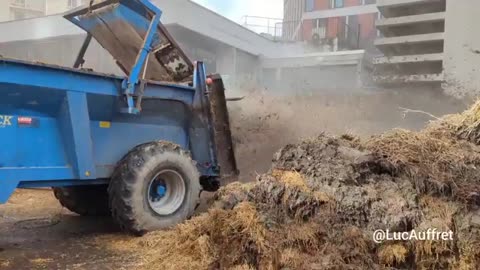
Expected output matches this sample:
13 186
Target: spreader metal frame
68 126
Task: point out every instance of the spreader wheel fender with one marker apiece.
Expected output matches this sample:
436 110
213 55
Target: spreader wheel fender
91 200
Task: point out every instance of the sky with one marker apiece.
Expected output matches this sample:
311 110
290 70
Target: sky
236 9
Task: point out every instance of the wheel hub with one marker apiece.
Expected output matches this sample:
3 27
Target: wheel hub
161 191
158 190
166 192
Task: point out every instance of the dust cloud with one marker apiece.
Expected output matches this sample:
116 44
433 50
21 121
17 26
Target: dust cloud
264 121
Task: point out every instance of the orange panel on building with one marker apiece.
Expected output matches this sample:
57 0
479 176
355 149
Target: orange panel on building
322 4
307 28
367 25
351 3
332 28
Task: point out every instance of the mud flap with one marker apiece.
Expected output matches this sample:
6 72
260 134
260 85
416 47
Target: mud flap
222 132
8 187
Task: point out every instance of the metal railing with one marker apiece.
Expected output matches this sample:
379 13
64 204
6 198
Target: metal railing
346 36
263 25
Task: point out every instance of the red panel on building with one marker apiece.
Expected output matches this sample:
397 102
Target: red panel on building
307 28
351 3
322 4
332 28
367 25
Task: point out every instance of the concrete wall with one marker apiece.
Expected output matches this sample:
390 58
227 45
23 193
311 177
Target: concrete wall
32 8
235 65
239 69
312 80
462 48
4 13
37 28
61 51
36 8
38 5
59 6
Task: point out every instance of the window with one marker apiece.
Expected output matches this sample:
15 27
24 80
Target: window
72 3
320 23
19 3
18 15
320 28
336 4
309 5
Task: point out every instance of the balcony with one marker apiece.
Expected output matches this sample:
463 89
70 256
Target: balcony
340 12
25 5
412 41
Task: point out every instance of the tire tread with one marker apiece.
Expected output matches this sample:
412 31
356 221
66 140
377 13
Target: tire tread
125 176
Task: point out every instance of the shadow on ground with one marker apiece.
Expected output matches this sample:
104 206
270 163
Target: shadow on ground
36 233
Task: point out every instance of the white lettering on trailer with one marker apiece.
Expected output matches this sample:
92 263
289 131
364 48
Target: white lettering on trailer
5 121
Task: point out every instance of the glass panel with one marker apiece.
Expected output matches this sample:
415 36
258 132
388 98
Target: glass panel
309 5
338 3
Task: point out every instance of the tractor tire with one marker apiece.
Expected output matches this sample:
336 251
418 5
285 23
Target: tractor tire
84 200
155 186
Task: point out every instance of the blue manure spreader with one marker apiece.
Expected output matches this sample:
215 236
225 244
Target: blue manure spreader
139 147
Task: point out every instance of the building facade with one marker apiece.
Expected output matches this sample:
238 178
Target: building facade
11 10
342 24
413 41
58 6
429 43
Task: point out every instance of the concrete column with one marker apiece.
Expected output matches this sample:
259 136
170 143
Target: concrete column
462 48
5 12
359 74
235 60
227 62
278 74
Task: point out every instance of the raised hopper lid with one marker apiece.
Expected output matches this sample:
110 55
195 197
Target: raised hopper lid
120 26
